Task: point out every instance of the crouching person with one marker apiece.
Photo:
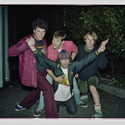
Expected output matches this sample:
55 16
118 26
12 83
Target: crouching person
63 93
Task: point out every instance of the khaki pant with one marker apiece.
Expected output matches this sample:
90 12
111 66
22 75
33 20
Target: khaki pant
83 85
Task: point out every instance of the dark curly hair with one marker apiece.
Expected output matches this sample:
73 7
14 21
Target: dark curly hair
38 22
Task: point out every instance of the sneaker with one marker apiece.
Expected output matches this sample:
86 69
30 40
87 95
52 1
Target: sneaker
97 115
39 113
83 97
19 108
83 104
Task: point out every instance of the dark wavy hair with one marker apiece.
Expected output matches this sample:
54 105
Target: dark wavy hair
38 22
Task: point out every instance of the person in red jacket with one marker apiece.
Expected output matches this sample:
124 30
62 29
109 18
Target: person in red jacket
29 75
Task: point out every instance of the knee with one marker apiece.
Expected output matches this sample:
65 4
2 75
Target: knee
92 88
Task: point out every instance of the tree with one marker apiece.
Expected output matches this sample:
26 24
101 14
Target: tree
107 22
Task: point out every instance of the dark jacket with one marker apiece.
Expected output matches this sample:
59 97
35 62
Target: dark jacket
73 68
93 67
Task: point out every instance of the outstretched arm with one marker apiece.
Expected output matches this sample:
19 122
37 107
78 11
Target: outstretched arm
78 65
39 55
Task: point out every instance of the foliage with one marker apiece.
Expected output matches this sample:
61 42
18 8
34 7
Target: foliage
106 21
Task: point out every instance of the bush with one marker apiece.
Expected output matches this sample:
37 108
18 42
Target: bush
107 22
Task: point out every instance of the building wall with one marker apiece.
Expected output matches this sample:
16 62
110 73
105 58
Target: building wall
4 71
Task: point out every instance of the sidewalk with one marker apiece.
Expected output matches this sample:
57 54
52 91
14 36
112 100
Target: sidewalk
113 106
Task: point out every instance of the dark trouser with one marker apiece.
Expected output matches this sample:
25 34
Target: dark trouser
48 93
70 105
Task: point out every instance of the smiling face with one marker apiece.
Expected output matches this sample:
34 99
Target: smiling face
57 42
39 33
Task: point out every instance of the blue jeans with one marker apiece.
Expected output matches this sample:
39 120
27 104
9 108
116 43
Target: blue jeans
76 93
69 104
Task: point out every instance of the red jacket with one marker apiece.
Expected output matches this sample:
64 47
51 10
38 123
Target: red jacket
27 62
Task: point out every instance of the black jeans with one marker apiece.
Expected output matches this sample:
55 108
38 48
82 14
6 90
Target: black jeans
69 104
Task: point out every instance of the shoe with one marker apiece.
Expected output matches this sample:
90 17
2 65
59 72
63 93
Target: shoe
39 113
97 115
84 97
19 108
83 104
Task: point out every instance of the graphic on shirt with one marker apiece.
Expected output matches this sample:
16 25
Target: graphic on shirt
66 81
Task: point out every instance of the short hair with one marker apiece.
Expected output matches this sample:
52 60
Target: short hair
93 34
63 54
59 33
38 22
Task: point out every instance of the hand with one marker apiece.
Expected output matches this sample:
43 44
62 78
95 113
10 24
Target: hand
73 55
103 46
77 76
59 79
31 43
44 51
